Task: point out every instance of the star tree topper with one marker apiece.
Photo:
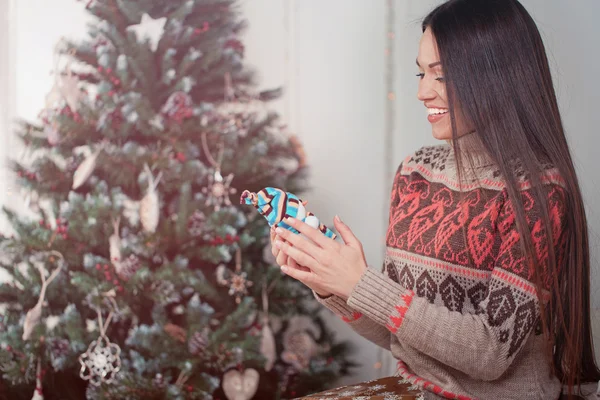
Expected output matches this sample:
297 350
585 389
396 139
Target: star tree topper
149 28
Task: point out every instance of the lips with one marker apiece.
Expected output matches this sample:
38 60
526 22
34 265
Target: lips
436 114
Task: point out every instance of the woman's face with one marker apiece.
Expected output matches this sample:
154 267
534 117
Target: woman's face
432 90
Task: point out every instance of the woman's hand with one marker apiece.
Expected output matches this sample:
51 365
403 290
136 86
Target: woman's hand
282 259
332 267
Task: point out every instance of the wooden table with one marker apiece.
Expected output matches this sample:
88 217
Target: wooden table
389 388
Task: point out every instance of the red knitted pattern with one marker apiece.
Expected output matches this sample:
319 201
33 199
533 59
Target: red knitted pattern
427 385
401 309
355 316
475 229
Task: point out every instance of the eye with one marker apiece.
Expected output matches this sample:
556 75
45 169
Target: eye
421 75
441 79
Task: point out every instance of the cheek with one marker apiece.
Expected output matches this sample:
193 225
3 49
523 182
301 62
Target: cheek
442 130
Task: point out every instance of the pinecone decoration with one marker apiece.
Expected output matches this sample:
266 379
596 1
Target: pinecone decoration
196 224
128 267
197 343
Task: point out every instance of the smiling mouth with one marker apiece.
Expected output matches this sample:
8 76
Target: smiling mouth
437 111
436 114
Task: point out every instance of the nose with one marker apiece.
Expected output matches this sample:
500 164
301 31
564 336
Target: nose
426 91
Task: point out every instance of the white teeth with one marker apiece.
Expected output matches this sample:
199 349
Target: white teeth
432 111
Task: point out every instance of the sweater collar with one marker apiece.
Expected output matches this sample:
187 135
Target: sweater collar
473 154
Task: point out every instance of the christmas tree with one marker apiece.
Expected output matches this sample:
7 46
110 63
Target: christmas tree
137 274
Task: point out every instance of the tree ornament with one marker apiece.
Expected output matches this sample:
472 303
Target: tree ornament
166 291
236 114
299 348
196 223
115 244
149 206
159 381
102 360
237 281
59 350
54 96
240 385
157 122
66 84
128 267
38 394
218 189
187 83
178 107
85 169
198 343
267 342
299 345
176 332
34 315
150 29
69 89
221 273
32 199
52 133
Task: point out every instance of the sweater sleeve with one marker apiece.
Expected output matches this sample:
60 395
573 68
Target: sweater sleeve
360 323
482 344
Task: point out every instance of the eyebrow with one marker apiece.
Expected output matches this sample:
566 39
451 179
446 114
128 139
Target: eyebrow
433 64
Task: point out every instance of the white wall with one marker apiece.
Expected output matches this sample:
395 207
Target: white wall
337 96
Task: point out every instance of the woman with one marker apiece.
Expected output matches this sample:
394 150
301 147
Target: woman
485 290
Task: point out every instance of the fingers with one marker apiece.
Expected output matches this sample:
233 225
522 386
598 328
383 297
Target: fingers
313 234
303 276
293 264
297 254
296 240
274 250
346 234
281 258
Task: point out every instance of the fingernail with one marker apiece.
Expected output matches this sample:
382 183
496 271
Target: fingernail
279 230
289 221
278 243
337 218
284 269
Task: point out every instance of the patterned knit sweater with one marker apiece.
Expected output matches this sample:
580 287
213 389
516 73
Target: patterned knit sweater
455 302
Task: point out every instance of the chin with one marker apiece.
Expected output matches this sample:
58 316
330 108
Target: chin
441 135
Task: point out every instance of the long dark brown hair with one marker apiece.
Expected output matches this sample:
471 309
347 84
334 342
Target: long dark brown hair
496 69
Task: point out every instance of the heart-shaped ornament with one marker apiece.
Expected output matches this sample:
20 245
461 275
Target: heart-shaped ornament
240 385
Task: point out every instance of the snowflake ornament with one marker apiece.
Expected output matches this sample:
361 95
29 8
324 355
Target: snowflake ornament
239 286
218 190
101 362
236 280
